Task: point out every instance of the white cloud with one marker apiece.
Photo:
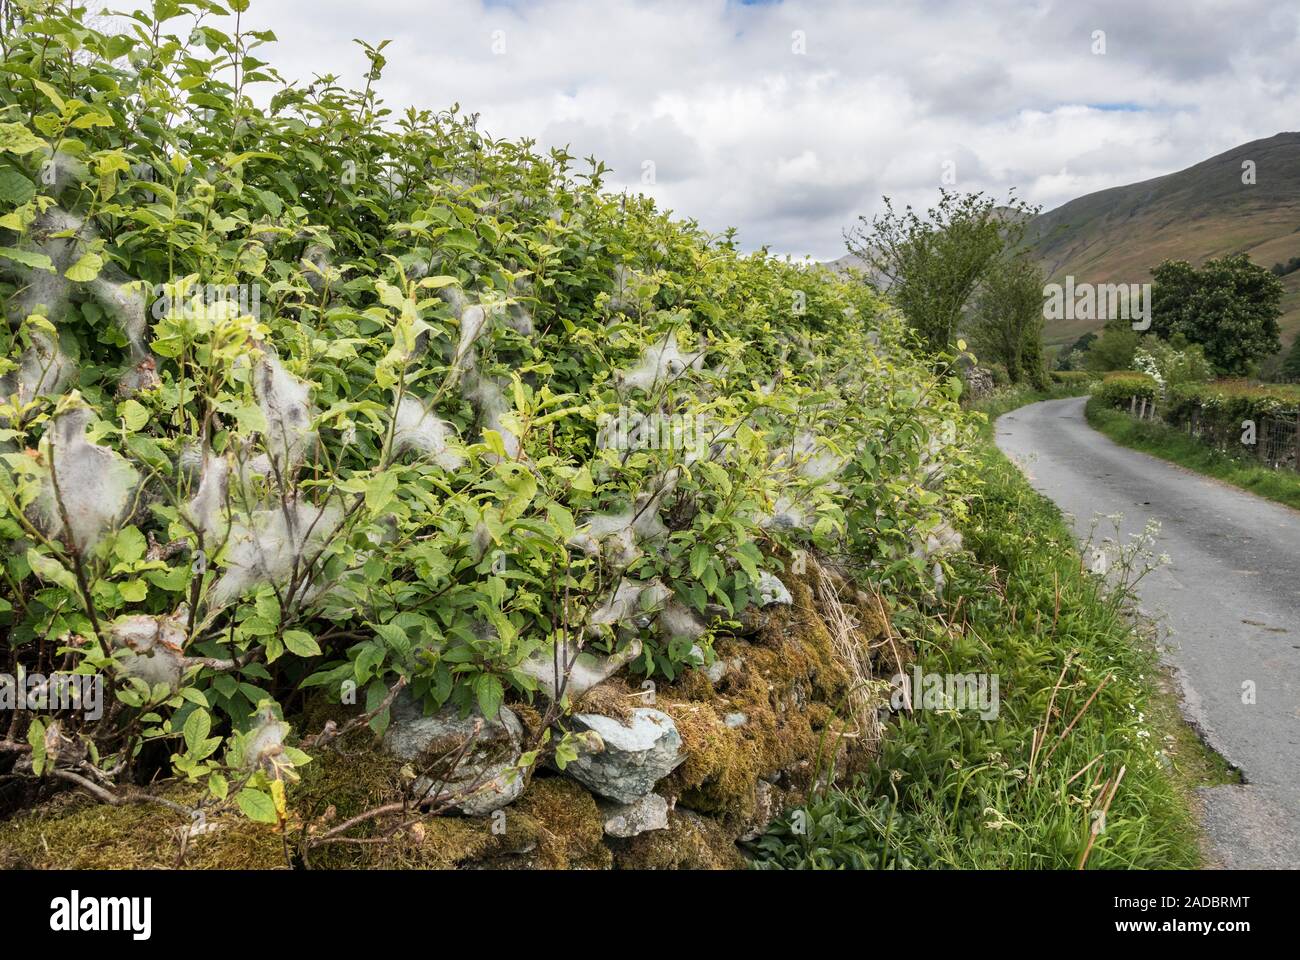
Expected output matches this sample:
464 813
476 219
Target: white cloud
790 148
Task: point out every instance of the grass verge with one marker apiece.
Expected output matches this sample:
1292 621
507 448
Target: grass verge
1168 443
1087 761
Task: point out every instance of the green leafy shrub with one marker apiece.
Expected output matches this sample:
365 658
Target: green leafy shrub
321 399
1234 400
1171 363
1117 388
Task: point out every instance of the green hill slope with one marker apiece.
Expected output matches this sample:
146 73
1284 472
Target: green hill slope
1120 234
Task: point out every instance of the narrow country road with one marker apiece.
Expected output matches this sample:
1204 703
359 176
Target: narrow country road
1230 602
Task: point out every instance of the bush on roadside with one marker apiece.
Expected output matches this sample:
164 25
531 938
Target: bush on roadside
1116 389
1233 400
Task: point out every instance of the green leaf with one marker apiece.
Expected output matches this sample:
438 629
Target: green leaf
28 258
301 643
36 739
197 726
218 786
248 415
487 689
257 806
437 282
47 568
492 440
92 118
582 481
271 202
460 239
134 413
85 269
51 94
133 591
380 490
15 138
130 545
15 188
700 557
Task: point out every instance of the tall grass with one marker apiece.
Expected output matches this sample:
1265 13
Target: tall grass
1083 724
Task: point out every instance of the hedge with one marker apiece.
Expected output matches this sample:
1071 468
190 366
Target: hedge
1233 400
1117 388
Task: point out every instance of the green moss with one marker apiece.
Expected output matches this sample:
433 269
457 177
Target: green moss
788 687
691 842
554 825
787 684
560 824
76 832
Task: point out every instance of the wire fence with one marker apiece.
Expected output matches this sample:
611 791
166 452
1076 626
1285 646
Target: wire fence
1274 442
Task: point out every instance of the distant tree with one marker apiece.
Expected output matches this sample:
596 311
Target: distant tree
1282 269
1177 360
933 264
1072 357
1290 371
1230 306
1114 349
1008 323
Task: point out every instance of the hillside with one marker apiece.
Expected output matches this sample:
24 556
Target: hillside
1205 211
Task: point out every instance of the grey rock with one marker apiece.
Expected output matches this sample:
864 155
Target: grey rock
484 779
589 669
771 590
631 819
720 669
979 382
636 755
736 719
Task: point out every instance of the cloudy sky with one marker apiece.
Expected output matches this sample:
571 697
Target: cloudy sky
788 119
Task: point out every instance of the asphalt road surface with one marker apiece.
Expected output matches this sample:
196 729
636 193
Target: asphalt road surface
1230 603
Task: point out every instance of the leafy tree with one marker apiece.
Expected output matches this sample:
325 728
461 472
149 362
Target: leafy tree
1008 324
1176 361
1114 349
1230 306
933 264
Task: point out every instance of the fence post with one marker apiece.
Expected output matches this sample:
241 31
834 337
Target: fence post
1142 413
1132 405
